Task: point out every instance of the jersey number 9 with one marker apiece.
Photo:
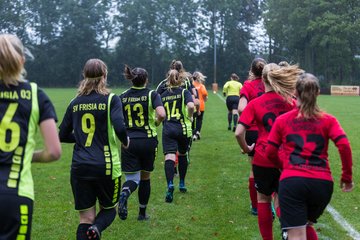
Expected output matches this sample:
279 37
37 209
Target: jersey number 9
88 127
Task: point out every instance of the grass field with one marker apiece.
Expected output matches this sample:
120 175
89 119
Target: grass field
216 206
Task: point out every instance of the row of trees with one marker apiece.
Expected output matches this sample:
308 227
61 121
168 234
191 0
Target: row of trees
321 35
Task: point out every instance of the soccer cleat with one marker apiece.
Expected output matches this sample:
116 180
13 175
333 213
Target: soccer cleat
182 187
143 217
284 234
198 135
169 194
194 138
93 233
234 129
253 211
122 209
229 127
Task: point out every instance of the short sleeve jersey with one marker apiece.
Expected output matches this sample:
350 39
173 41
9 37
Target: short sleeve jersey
22 109
305 144
251 90
175 101
263 111
139 106
232 88
90 118
202 94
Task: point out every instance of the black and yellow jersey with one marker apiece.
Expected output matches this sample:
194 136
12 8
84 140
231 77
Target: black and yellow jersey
139 106
22 108
175 100
92 122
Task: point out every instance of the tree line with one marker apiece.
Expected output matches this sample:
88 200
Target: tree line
320 35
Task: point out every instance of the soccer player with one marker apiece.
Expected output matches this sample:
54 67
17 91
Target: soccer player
92 121
23 107
253 88
306 184
143 112
231 91
198 82
277 99
176 135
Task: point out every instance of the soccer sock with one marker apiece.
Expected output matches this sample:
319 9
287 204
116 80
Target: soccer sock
311 233
81 231
129 187
104 218
144 195
265 220
252 192
229 118
183 165
235 118
169 171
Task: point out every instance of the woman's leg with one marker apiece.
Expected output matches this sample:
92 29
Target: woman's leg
144 195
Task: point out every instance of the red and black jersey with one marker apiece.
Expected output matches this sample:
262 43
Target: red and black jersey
305 146
263 111
251 90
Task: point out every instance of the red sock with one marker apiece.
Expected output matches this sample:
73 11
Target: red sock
265 220
253 193
278 212
311 233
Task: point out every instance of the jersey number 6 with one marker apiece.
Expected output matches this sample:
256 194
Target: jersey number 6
9 130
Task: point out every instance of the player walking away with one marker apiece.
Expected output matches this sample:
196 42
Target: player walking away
231 91
253 88
92 121
198 82
23 107
143 112
306 184
176 135
277 99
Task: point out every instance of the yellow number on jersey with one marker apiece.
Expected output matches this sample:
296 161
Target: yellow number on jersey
88 128
139 110
175 113
7 126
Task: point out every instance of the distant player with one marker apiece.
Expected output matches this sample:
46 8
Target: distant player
176 135
143 112
231 91
306 184
92 121
198 83
23 108
253 88
277 99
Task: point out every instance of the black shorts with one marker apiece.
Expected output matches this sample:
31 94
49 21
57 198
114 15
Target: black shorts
173 140
232 102
302 200
266 179
140 155
250 138
87 191
15 217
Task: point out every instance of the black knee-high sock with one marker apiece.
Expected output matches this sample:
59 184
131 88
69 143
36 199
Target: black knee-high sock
183 165
235 118
229 118
81 231
104 218
144 195
129 187
169 171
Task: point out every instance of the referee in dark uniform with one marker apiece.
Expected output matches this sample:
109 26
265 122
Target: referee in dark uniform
143 112
92 121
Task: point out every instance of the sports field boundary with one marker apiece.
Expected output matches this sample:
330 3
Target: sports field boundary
351 231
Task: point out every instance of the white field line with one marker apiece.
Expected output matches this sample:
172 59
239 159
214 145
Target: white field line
335 214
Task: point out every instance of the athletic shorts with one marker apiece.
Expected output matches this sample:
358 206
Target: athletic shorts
250 138
232 102
174 140
140 155
15 217
302 200
266 179
87 191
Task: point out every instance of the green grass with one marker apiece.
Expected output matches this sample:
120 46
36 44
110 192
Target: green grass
217 203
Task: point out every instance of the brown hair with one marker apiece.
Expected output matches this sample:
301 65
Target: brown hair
307 90
282 79
234 77
12 60
198 76
173 79
256 68
94 73
177 65
138 76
